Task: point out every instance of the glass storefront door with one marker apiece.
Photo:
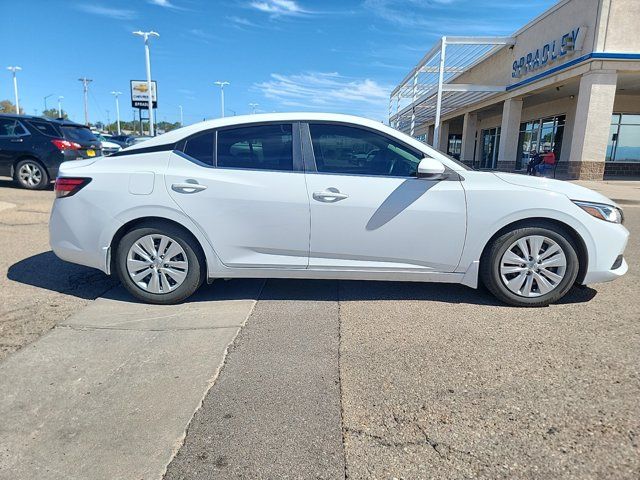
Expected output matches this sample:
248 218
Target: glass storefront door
490 144
541 135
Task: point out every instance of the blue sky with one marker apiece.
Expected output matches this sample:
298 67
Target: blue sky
286 55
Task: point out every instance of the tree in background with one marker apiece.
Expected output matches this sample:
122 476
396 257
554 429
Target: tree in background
53 113
6 106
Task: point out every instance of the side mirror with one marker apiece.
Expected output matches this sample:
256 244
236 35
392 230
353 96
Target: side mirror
430 169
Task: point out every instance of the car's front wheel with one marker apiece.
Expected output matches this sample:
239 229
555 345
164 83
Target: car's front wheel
160 264
530 266
31 174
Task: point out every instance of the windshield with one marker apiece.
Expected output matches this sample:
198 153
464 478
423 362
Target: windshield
78 134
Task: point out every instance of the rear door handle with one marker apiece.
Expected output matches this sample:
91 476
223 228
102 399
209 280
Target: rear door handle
330 195
188 187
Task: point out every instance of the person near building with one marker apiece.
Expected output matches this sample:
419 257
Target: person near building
534 160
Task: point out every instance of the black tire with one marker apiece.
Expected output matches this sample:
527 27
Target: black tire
196 271
39 172
490 265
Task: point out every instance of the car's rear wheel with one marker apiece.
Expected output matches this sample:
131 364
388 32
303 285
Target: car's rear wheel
530 266
160 264
31 174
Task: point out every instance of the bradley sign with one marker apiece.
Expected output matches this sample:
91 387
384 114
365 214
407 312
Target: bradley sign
551 52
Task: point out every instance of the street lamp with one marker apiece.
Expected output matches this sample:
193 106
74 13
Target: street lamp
85 88
221 84
146 36
60 98
117 94
253 107
45 100
181 116
15 85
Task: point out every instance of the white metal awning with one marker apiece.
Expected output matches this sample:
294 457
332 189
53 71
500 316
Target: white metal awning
430 90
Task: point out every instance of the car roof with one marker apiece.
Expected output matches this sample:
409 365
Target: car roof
58 121
178 134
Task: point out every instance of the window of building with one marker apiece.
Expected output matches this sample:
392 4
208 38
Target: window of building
261 147
624 138
539 136
200 147
356 151
490 147
454 146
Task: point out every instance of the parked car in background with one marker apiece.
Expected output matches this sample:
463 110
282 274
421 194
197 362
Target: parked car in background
280 195
108 147
140 139
123 140
32 148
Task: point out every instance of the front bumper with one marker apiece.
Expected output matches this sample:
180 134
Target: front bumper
606 262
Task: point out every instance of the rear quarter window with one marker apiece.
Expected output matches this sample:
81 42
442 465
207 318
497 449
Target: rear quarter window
45 128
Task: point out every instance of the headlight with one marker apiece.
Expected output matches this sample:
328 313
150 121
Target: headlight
602 211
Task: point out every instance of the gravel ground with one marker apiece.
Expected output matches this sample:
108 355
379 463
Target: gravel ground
38 289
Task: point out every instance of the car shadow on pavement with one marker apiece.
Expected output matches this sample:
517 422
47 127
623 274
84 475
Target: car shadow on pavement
7 183
47 271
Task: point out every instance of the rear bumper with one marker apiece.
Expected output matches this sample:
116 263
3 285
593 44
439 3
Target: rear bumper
75 233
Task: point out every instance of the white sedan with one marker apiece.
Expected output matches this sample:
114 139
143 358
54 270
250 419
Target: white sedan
326 196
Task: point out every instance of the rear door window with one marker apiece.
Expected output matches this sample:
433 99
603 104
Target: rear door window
256 147
10 127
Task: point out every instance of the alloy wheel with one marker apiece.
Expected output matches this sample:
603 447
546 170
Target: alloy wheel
157 263
533 266
30 174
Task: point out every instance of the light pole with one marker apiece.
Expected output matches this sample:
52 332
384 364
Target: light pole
146 36
253 107
117 94
181 116
15 85
45 100
221 84
85 87
60 98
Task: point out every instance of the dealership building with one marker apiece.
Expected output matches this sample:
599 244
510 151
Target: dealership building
568 82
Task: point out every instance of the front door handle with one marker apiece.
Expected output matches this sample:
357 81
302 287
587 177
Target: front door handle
188 187
330 195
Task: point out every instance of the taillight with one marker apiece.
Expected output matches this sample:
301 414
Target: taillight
67 186
65 144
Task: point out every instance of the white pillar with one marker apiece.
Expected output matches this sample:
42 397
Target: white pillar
469 127
509 131
443 141
591 125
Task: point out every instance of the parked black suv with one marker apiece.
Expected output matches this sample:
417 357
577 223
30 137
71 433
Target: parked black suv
32 148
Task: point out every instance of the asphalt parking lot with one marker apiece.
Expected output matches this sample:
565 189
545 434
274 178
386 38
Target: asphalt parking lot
332 379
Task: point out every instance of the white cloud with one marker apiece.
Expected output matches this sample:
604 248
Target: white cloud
241 21
327 91
278 8
162 3
117 13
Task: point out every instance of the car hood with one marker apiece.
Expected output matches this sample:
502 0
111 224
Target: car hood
108 144
571 190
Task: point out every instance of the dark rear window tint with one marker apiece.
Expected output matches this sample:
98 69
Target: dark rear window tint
45 128
78 134
200 147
